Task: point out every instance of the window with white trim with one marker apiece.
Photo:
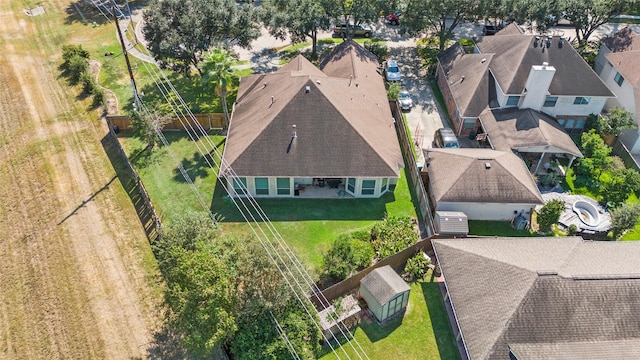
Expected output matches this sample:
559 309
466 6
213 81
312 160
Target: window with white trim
550 101
582 100
513 100
262 185
240 185
283 186
368 187
618 79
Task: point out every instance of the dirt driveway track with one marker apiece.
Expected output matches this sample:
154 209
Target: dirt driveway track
75 265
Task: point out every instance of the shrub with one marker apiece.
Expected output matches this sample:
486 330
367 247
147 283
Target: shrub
88 83
624 218
347 254
417 267
393 90
98 97
572 230
379 49
391 235
77 66
550 214
72 51
622 184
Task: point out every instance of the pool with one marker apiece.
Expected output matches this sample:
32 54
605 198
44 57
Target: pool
587 213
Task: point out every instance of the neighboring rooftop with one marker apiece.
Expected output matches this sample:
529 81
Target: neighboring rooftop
544 298
513 129
623 40
480 176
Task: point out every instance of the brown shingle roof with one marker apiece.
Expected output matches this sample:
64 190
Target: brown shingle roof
384 283
515 128
515 54
462 175
623 40
511 29
468 79
541 296
344 125
628 64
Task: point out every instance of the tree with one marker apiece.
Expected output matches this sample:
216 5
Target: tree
594 148
347 254
587 15
550 214
296 20
425 17
612 122
180 31
146 127
217 71
624 218
352 11
622 184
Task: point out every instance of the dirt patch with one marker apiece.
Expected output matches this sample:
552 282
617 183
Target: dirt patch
78 277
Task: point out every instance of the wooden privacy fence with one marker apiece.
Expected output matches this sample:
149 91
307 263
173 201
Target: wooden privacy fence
137 192
206 121
415 180
619 149
396 261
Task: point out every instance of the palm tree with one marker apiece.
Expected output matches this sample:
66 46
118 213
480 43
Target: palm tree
218 72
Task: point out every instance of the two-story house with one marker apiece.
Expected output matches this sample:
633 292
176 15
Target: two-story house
618 66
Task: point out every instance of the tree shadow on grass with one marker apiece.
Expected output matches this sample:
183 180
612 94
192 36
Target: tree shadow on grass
195 167
445 339
296 209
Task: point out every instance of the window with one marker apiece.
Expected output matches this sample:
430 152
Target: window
550 101
469 123
284 186
383 186
262 186
351 185
580 123
240 185
562 122
580 100
513 101
570 123
618 79
368 187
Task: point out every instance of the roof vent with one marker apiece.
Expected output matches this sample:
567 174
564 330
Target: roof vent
484 60
318 81
560 42
307 89
549 38
487 165
294 134
535 41
545 64
462 78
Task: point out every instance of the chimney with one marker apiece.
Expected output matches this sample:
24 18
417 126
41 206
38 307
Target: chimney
537 86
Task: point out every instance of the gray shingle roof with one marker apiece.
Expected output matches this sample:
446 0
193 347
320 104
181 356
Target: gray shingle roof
515 128
561 297
384 283
344 125
623 40
513 56
461 175
452 223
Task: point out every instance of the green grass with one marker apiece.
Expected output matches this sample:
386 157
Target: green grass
423 333
310 225
496 228
307 225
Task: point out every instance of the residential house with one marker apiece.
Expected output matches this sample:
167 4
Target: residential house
542 298
305 128
618 66
513 70
484 184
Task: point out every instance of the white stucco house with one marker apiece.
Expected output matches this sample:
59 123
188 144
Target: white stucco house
306 132
618 64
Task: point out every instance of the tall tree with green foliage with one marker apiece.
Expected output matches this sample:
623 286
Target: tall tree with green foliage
588 15
613 122
624 217
437 17
217 71
295 19
355 12
179 32
550 214
622 184
596 155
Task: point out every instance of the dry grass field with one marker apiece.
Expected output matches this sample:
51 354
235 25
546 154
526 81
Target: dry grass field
77 277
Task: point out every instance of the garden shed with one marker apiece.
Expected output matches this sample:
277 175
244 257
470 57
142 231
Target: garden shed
385 292
453 223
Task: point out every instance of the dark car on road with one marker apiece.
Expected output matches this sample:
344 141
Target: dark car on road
445 138
490 30
357 30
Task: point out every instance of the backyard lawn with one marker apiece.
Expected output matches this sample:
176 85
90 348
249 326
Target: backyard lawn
423 333
307 225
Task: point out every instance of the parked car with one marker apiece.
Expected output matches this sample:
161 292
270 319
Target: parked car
445 138
490 30
404 99
393 19
357 30
392 71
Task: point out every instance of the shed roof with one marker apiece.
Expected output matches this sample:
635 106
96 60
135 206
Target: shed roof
452 223
384 283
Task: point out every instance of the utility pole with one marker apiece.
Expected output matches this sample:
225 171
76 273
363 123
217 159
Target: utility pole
136 99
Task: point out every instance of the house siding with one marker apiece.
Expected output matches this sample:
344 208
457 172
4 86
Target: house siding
486 211
273 189
450 102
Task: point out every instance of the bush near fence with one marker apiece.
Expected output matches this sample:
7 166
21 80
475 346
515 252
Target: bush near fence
619 149
209 122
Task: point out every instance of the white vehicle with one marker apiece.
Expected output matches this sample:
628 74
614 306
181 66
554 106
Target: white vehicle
404 99
392 71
